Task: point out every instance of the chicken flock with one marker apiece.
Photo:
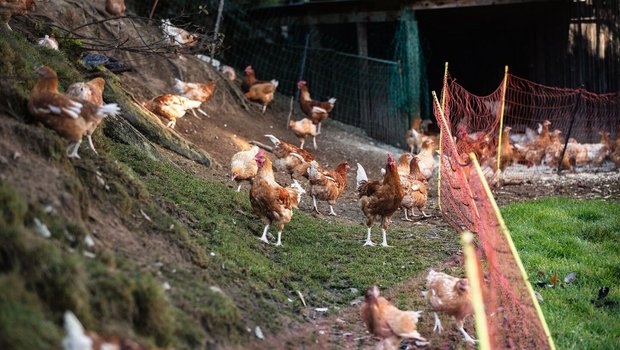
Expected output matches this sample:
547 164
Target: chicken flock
404 183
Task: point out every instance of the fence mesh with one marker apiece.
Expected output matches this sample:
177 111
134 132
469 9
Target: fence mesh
512 312
513 317
381 96
527 104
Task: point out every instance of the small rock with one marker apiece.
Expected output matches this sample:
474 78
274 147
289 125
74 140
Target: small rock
48 209
3 160
354 291
89 241
171 227
321 309
538 296
216 289
570 278
89 254
225 125
16 155
166 286
41 229
258 333
212 254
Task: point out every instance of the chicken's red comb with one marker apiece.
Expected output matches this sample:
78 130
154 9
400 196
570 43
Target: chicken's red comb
260 154
390 157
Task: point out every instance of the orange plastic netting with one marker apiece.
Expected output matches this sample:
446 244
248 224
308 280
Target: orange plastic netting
528 104
513 316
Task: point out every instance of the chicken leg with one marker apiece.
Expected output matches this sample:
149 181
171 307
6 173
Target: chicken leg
72 150
90 142
318 129
413 212
302 143
406 217
264 108
264 236
239 188
437 327
466 336
331 211
171 124
314 141
315 206
279 242
384 232
368 241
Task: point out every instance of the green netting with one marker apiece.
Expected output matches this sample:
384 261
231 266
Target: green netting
414 94
379 96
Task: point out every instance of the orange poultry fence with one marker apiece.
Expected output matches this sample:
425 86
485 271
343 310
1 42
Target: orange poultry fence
522 104
513 316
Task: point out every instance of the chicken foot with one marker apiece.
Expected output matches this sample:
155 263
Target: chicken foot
407 217
90 142
279 242
204 113
315 206
467 337
331 211
171 124
437 327
424 214
72 150
413 212
264 236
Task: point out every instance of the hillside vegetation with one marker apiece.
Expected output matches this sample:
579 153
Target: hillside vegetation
158 214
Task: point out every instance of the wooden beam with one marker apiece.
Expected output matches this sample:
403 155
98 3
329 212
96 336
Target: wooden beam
362 39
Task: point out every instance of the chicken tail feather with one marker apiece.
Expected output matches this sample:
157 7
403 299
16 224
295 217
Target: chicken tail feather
178 85
332 101
108 109
275 82
361 175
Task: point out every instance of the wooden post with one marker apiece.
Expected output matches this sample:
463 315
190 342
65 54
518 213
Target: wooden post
218 22
570 128
501 119
301 75
443 106
153 9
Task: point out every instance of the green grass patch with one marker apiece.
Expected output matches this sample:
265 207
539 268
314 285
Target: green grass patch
321 259
561 235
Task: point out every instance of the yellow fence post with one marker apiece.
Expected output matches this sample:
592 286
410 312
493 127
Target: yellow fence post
474 276
443 106
501 120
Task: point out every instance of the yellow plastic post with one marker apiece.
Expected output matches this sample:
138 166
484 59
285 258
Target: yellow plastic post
474 277
443 106
501 119
513 250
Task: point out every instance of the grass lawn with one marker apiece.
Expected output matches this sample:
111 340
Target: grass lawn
563 235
